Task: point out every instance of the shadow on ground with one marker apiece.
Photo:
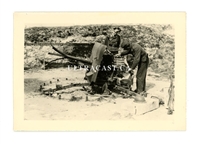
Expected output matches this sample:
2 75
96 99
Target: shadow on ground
32 85
149 86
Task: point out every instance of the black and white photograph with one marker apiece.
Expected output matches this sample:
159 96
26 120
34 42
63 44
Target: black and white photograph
99 71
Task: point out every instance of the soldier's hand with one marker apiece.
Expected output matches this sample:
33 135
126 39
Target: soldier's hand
118 55
130 71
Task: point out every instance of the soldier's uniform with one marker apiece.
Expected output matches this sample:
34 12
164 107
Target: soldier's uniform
140 59
116 39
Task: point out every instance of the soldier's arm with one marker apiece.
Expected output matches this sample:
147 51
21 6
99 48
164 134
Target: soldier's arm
118 40
107 41
125 52
113 42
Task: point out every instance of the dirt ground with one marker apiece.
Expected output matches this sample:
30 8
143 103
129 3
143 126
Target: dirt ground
42 107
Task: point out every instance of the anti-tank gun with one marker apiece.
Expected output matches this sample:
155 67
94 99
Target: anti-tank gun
104 71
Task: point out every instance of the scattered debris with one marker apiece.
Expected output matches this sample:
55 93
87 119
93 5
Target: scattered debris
75 98
86 99
92 104
101 98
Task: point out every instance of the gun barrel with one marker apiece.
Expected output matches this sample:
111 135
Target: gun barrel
69 56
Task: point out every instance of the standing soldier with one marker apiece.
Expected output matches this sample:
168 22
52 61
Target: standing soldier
115 41
106 41
140 59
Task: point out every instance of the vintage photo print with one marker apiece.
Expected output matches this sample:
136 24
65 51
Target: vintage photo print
98 71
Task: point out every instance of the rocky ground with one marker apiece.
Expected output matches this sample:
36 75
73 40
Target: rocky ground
42 107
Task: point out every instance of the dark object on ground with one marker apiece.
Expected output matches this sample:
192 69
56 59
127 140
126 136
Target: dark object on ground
73 98
170 112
